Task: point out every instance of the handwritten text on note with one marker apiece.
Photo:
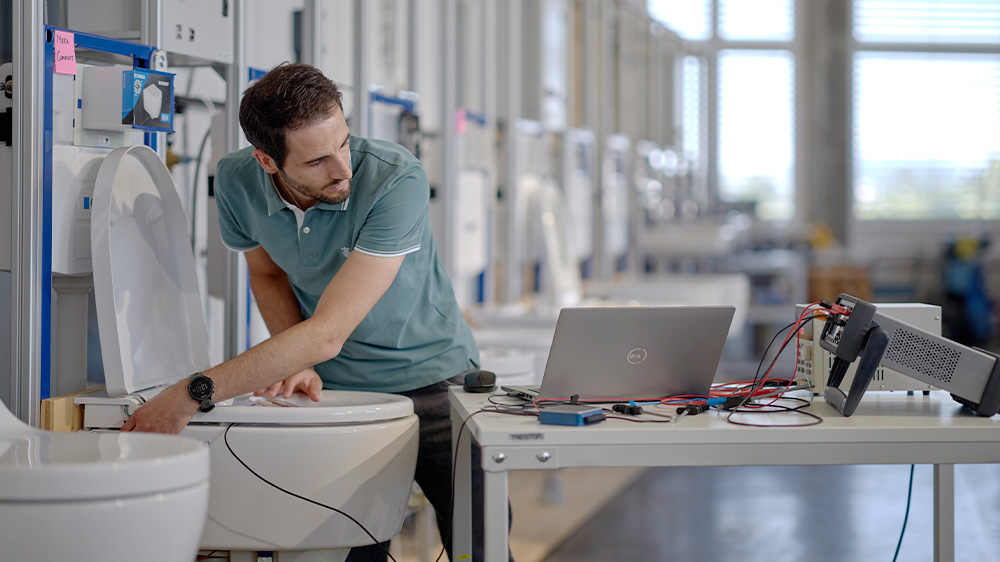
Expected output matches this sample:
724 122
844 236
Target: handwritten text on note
65 61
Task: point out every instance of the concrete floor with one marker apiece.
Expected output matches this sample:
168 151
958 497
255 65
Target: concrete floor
774 514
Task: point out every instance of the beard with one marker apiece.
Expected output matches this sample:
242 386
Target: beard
317 193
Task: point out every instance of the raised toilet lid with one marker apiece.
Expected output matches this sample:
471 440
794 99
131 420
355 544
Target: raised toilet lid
45 466
152 327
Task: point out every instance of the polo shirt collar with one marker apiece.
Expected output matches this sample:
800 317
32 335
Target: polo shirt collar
342 206
275 203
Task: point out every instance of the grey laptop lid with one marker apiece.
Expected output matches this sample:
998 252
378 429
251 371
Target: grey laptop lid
635 352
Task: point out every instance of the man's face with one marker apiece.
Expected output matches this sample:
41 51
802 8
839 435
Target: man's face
318 164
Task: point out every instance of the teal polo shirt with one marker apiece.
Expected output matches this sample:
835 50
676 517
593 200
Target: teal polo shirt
415 335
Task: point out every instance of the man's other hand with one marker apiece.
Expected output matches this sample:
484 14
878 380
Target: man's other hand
306 382
167 412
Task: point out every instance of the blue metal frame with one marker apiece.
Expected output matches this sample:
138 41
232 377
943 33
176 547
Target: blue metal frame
141 58
141 55
45 361
479 118
255 74
407 105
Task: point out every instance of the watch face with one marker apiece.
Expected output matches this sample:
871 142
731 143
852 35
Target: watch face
201 387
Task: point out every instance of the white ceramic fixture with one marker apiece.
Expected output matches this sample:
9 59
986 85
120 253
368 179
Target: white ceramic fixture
100 496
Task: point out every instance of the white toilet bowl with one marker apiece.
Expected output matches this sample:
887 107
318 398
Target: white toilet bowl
99 496
363 468
353 451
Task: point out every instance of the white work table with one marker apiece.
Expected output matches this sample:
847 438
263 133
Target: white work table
887 428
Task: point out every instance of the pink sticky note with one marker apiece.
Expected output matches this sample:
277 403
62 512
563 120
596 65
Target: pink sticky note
460 117
65 61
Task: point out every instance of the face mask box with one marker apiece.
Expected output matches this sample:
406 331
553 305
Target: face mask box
148 100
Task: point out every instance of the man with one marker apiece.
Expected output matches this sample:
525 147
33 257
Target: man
337 239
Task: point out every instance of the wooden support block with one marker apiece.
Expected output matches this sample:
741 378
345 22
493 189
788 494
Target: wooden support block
59 413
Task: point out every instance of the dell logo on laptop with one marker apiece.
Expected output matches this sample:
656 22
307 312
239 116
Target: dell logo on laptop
636 356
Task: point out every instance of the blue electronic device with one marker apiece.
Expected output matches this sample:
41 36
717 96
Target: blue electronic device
570 415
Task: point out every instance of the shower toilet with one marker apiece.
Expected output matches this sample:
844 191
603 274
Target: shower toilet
99 496
353 451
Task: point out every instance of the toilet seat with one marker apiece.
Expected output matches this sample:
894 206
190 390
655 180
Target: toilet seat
334 407
152 328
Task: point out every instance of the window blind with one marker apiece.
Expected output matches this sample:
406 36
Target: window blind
927 21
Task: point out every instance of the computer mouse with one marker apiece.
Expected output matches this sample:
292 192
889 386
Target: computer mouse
480 381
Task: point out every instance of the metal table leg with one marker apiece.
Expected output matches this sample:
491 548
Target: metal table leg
944 513
461 517
495 514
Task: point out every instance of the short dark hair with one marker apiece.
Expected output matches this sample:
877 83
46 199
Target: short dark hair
289 96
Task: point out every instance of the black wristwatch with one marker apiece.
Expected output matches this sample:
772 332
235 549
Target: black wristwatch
201 388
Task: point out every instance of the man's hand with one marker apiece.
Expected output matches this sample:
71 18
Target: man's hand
167 412
306 382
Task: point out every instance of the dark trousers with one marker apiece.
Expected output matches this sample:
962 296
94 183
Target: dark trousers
433 473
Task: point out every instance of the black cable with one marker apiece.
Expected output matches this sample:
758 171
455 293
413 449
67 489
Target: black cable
524 409
777 409
194 185
519 406
501 409
225 437
797 324
454 468
546 402
633 420
909 496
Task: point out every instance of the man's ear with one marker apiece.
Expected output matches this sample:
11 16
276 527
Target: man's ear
266 162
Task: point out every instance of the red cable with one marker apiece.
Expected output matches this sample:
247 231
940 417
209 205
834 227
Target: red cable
797 331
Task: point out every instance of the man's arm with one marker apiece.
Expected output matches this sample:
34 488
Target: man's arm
280 309
276 301
345 302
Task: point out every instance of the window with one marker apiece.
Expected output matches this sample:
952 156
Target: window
693 103
926 123
756 130
691 19
750 151
759 20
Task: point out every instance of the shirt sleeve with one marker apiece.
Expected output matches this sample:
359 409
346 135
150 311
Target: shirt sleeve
395 224
234 236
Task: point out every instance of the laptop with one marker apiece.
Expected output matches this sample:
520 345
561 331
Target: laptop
621 353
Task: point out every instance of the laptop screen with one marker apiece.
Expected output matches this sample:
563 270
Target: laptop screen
635 352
